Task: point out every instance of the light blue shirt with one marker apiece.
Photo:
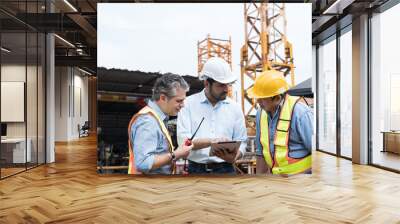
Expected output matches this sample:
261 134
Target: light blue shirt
301 129
224 120
148 141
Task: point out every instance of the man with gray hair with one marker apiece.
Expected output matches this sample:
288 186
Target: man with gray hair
150 145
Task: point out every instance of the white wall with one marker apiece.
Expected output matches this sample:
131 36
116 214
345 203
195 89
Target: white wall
82 84
61 103
12 73
71 93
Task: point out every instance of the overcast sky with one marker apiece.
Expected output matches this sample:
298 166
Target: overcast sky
163 37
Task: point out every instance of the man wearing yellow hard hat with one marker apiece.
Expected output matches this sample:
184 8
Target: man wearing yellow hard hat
283 127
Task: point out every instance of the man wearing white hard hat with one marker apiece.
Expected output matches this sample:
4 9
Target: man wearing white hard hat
223 121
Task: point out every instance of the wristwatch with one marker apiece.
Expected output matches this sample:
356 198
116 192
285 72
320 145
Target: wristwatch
173 157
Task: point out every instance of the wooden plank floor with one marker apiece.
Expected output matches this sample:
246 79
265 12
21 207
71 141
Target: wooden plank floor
70 191
10 171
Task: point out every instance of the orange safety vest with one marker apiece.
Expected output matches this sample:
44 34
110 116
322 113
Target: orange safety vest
146 110
280 162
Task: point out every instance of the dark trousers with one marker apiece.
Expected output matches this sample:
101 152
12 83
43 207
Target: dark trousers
216 168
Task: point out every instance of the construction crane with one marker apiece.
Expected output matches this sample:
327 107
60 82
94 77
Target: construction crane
266 47
212 47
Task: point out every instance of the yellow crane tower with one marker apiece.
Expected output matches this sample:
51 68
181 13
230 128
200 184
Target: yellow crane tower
212 47
266 46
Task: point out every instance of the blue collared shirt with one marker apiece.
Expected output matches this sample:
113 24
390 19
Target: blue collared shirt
148 141
224 120
301 130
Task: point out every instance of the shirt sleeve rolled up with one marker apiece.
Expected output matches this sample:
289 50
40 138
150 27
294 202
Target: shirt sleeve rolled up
304 126
144 142
183 126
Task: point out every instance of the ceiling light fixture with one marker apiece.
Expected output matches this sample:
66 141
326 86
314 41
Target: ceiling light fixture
70 5
86 72
64 40
5 50
331 8
337 7
79 51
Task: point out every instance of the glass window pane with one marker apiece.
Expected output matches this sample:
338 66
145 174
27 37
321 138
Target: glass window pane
327 97
41 98
23 85
385 89
31 96
13 86
345 94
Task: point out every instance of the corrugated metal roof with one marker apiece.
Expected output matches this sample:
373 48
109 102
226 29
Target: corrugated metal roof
135 82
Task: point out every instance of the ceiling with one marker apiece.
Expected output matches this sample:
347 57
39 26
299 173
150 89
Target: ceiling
74 22
331 15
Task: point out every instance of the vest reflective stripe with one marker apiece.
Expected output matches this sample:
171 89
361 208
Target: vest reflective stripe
282 163
294 168
264 139
146 110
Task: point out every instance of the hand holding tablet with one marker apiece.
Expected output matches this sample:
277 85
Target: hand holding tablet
226 150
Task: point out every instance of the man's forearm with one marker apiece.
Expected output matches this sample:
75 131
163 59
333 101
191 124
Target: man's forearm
161 160
201 143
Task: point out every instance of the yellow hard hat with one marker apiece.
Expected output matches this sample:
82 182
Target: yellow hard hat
268 84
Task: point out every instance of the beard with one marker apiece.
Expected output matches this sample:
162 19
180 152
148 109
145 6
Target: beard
219 97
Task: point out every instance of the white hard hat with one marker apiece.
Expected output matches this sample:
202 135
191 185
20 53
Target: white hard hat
217 69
